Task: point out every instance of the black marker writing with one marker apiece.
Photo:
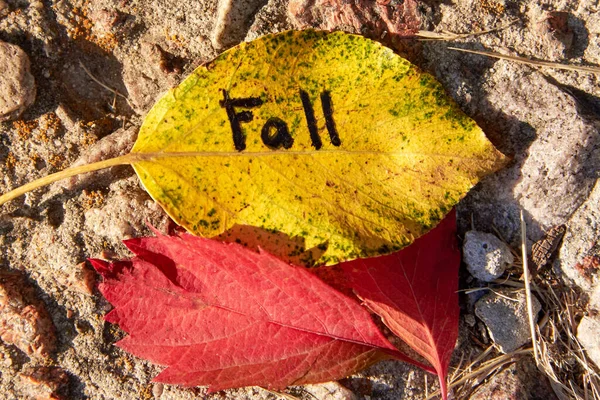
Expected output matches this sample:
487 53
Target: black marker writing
236 118
275 132
281 137
311 121
309 113
329 122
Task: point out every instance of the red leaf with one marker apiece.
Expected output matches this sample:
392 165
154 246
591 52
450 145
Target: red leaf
415 293
221 315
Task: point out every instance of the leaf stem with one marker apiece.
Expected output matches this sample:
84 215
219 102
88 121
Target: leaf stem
398 355
67 173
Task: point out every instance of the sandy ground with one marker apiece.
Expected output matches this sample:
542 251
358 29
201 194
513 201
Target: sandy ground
547 120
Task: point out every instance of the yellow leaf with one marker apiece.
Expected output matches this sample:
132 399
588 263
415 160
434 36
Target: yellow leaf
329 138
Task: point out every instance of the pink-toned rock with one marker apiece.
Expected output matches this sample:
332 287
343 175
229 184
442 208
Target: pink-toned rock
24 322
17 85
43 382
82 279
375 19
146 81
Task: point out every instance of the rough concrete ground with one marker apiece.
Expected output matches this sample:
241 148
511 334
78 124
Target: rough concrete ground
547 120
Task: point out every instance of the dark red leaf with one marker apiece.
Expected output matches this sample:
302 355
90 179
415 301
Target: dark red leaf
415 293
221 315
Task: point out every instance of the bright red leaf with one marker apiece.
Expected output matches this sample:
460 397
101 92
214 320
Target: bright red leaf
415 293
221 315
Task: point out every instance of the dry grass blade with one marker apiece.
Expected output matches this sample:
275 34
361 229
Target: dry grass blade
484 370
428 35
284 395
523 60
528 290
99 82
562 358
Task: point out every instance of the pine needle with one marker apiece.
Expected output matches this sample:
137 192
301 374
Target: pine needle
99 82
528 290
444 35
523 60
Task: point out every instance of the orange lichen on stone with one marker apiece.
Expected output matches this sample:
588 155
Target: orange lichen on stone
11 161
92 199
493 7
57 161
25 129
146 392
81 28
88 139
35 159
590 264
173 37
49 125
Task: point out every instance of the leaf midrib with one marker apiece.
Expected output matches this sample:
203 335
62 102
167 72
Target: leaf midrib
136 156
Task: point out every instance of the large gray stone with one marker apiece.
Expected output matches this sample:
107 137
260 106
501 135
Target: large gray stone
17 86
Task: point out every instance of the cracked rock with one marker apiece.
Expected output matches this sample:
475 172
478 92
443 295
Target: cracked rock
504 312
24 322
234 18
375 19
486 256
17 86
44 382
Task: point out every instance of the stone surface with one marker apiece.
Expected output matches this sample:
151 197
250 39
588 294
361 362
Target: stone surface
146 82
579 241
17 85
329 391
589 328
486 256
234 19
587 334
546 120
519 381
504 312
43 382
505 385
375 19
24 321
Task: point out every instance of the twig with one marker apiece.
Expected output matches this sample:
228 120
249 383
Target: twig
428 35
99 82
523 60
485 368
281 394
46 180
528 290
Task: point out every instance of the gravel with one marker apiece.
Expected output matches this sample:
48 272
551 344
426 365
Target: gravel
486 256
17 85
